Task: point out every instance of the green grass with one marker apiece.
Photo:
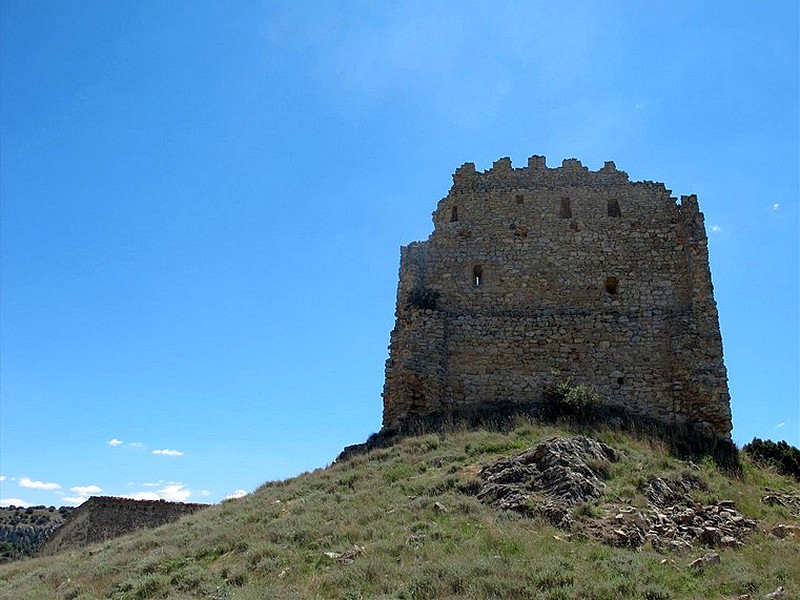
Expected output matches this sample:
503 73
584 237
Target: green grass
411 508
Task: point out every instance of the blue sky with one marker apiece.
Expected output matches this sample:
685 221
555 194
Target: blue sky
202 205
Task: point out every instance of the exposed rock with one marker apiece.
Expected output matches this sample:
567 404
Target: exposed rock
712 558
779 593
790 500
669 492
546 480
348 556
24 529
786 531
551 479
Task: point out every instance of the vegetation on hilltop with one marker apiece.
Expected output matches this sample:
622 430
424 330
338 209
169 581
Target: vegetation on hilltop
24 529
404 522
780 455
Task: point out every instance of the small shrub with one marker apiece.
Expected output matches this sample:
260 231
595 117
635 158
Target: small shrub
564 400
783 457
423 298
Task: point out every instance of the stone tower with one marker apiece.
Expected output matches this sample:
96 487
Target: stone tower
537 269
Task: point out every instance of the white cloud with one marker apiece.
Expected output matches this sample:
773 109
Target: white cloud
2 477
38 485
716 228
135 445
14 502
114 442
776 206
205 493
174 492
236 494
781 424
85 490
168 452
74 500
143 496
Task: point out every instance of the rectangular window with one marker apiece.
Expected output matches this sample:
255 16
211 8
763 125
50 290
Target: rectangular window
613 208
477 275
566 209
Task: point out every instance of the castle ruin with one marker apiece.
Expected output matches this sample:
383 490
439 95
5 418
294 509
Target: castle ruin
536 270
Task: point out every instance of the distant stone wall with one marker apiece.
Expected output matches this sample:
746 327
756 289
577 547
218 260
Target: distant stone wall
536 269
101 518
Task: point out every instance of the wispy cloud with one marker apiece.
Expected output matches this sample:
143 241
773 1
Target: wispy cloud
776 206
14 502
85 490
236 494
115 442
716 228
74 500
135 445
38 485
2 477
781 424
166 452
174 492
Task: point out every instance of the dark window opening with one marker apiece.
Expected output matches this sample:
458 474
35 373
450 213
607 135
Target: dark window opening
573 224
566 209
612 285
620 381
454 215
520 198
613 209
477 275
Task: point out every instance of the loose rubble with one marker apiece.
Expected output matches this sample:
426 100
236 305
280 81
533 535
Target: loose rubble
551 479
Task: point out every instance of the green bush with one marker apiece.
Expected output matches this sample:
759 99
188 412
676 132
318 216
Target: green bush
782 456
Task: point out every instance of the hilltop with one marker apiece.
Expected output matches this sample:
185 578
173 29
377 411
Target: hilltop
428 517
24 529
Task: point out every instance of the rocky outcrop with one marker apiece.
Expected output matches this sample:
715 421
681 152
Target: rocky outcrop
101 518
553 478
24 529
547 480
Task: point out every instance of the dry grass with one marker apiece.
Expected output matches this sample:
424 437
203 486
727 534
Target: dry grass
382 512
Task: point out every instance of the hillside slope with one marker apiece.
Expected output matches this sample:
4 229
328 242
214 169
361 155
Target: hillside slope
406 522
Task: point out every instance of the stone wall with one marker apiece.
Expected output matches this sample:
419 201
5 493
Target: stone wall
101 518
584 272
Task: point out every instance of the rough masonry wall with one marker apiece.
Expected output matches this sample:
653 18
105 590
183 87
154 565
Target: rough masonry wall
536 269
103 517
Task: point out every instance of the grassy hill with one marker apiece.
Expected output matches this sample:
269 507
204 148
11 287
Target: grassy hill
405 522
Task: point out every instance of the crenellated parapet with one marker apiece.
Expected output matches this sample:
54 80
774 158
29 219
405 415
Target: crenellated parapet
503 176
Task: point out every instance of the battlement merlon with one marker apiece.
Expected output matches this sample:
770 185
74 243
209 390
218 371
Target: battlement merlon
571 172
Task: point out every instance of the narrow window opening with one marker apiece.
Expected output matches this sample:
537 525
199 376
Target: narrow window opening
613 208
520 199
620 381
454 214
566 209
612 285
477 275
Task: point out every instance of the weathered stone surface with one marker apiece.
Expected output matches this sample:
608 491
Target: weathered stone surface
534 269
551 479
546 480
102 517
